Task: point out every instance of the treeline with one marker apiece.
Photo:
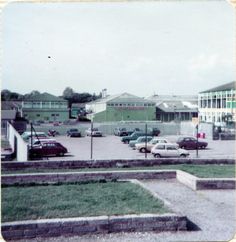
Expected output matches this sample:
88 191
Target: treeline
68 94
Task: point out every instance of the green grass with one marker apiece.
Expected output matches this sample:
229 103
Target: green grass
75 200
204 171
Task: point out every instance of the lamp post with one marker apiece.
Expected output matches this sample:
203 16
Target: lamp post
197 128
91 140
145 140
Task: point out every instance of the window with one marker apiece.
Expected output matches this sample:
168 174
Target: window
38 115
160 147
170 148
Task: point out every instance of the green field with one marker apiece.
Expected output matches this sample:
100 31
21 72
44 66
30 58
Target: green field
75 200
203 171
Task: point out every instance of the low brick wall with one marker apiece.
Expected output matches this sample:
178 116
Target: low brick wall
76 164
91 225
185 178
196 183
67 177
216 183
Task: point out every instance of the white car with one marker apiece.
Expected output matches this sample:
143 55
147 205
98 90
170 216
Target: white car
141 147
168 150
94 132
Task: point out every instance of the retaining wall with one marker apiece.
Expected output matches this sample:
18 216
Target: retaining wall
75 164
90 225
67 177
185 178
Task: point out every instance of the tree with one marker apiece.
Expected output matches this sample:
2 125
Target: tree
68 93
7 95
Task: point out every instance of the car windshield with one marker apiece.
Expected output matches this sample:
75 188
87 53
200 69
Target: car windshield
74 130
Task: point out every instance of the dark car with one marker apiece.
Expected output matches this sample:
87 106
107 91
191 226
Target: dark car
120 132
48 149
73 133
133 136
155 131
191 143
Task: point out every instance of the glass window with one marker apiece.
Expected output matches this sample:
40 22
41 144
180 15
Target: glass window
161 147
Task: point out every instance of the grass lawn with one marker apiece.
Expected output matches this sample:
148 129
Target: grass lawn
75 200
204 171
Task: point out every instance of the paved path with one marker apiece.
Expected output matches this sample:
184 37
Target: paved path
213 211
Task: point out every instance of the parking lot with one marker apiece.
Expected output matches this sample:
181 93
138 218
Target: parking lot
111 147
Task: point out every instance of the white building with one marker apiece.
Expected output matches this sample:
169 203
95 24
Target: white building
217 105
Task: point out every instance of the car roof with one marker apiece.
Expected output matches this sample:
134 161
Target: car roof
167 144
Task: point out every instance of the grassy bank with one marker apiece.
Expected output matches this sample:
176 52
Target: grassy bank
75 200
203 171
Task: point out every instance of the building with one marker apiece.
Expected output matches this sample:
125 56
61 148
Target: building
218 105
11 111
77 110
121 107
45 107
175 107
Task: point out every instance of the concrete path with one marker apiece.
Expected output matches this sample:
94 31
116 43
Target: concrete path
213 211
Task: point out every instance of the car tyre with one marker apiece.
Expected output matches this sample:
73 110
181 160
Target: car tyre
182 155
157 155
142 150
203 147
126 142
183 147
61 154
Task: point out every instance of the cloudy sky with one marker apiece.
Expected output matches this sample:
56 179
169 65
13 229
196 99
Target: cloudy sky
163 47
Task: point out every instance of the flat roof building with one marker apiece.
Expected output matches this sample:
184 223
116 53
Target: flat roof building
218 104
175 107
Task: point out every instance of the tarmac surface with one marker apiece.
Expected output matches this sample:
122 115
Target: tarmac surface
212 211
111 147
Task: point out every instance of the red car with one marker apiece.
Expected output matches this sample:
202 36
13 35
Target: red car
48 149
191 143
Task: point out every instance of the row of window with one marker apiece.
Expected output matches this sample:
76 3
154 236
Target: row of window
217 95
131 104
39 115
45 105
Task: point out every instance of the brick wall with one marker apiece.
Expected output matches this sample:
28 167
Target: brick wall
67 177
75 164
89 225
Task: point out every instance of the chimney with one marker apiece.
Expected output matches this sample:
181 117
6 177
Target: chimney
104 93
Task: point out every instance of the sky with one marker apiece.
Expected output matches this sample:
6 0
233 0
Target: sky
143 48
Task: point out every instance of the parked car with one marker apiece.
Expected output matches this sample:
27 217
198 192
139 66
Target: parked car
95 132
27 135
142 147
139 140
191 143
155 131
120 131
73 133
168 150
47 149
53 132
229 135
133 136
